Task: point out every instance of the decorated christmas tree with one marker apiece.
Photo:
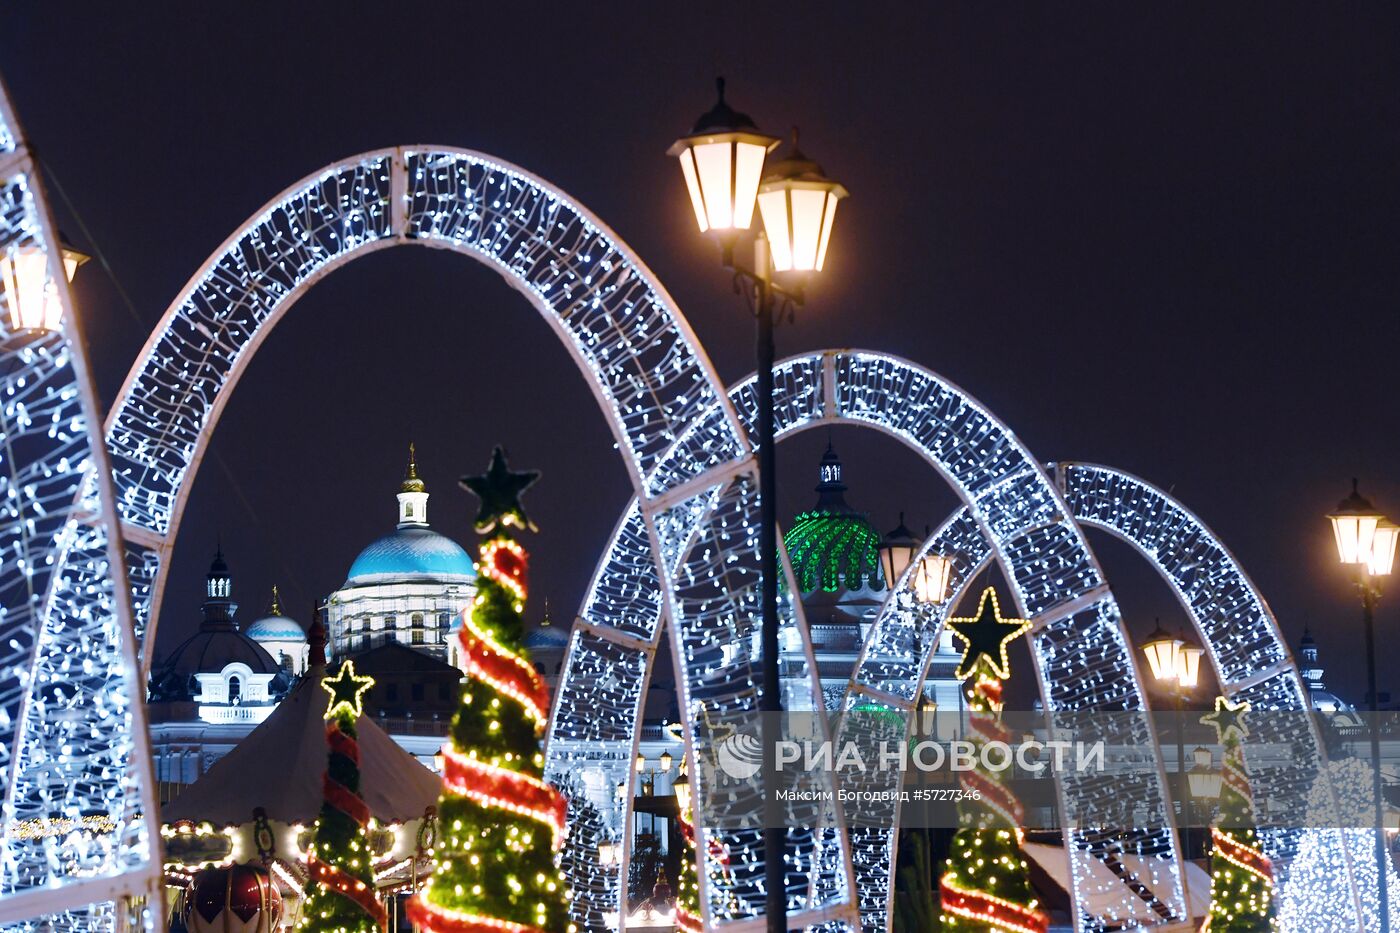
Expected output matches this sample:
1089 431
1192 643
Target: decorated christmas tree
689 914
1242 877
501 824
340 895
986 882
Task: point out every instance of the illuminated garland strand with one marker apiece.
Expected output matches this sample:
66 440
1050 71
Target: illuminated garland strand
981 907
518 793
349 887
685 920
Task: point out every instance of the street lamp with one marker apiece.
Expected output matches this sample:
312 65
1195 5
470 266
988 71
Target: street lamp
666 760
681 788
897 551
1176 662
1366 539
1205 780
722 161
607 854
30 294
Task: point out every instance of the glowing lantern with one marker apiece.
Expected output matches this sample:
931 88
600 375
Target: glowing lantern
1188 665
1383 547
1354 524
1161 650
798 203
722 161
31 297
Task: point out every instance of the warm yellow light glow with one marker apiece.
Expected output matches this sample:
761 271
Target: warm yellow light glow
1161 650
1383 547
681 788
1354 525
1201 757
798 204
640 764
666 761
1188 666
33 303
931 582
607 853
1204 784
722 171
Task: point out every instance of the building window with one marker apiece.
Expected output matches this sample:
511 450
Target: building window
418 628
235 689
408 510
444 692
416 691
389 622
392 693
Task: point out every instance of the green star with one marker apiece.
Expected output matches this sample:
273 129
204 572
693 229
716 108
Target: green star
499 491
346 689
1228 719
986 637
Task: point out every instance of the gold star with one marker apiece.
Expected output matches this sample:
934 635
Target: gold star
346 689
1228 719
986 636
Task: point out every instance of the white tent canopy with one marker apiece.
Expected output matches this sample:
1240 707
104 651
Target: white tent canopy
279 767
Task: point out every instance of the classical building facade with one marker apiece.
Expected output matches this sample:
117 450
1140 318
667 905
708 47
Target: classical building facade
406 587
282 637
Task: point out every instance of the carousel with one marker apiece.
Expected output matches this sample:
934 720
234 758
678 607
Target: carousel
236 844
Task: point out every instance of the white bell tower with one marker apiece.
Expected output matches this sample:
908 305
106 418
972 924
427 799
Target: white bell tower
413 495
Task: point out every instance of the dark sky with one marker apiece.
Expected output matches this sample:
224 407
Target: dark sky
1160 239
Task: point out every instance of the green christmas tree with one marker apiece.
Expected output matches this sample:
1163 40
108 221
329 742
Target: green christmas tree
1241 876
689 914
340 895
501 824
986 882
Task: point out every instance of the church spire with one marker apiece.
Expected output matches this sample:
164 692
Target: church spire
831 490
218 606
276 608
413 494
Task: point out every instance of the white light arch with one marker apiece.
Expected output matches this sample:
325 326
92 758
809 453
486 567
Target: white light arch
1234 623
1083 657
78 796
697 520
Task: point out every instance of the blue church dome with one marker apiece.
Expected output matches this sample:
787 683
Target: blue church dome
412 551
276 628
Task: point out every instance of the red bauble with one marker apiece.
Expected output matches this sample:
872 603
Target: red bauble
236 899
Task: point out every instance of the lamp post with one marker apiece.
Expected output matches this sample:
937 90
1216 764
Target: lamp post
1367 540
1176 662
722 160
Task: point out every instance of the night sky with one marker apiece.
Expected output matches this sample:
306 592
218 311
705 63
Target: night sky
1162 240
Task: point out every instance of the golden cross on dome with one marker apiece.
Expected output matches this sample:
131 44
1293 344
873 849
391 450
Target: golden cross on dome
346 690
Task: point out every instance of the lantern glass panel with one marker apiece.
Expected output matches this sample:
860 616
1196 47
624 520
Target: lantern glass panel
1355 535
1188 666
1161 657
1383 547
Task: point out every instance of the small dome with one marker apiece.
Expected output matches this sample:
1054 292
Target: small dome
412 551
276 628
547 636
209 652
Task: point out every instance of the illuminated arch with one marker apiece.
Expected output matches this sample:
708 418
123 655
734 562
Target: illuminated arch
634 348
1231 618
1083 658
72 728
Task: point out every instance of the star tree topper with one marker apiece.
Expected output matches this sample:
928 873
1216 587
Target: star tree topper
499 490
346 690
986 636
1228 719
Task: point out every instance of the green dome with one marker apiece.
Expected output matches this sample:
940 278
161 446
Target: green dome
834 551
833 547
